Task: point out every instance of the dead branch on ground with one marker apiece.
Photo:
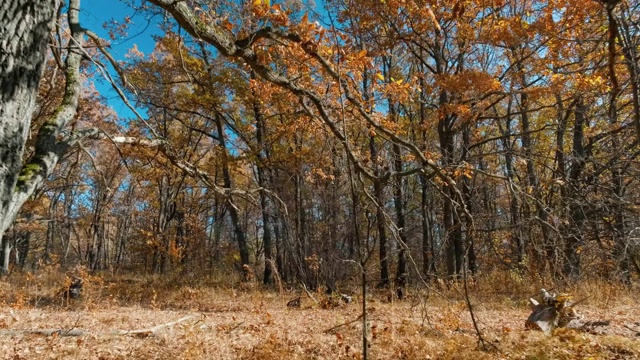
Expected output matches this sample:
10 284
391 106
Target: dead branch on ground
142 333
343 324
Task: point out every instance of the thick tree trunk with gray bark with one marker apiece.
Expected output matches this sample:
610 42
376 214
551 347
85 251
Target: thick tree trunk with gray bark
25 26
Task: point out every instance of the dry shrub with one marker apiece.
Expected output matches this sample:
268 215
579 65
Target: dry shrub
504 284
513 289
46 286
273 347
602 293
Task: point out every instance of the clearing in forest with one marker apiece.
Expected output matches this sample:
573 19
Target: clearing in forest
137 320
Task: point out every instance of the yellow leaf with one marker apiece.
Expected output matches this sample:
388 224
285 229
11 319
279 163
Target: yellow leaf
261 2
380 76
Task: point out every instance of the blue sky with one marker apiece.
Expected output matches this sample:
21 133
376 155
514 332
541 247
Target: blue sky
93 16
95 13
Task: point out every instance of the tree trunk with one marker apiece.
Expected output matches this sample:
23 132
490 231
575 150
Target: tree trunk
21 65
619 227
23 247
514 207
166 208
378 189
264 201
527 148
300 254
630 42
398 201
428 251
576 217
451 221
560 159
382 235
238 231
467 194
25 26
428 248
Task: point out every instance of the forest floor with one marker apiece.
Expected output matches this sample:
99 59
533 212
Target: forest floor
245 322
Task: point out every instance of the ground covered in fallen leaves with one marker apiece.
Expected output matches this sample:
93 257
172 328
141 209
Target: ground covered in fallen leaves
253 323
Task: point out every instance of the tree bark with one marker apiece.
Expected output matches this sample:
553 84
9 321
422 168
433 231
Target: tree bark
514 206
238 231
378 193
262 155
619 227
25 26
576 217
467 195
22 58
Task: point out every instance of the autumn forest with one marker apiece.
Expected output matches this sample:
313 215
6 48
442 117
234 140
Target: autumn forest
418 140
332 179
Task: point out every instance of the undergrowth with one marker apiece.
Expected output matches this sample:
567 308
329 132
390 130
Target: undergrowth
249 321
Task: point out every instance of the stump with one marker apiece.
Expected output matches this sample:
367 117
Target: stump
557 311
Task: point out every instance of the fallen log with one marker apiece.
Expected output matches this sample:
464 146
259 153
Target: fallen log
46 332
141 333
332 329
152 330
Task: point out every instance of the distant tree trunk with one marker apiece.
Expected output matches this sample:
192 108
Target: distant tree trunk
629 41
23 246
97 229
620 252
453 242
69 201
165 210
302 233
182 239
562 117
378 193
355 210
576 215
238 231
124 226
527 147
382 232
48 240
514 206
262 155
470 251
280 249
398 200
266 229
428 248
215 233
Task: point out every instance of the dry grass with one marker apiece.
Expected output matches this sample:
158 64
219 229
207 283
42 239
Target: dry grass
244 322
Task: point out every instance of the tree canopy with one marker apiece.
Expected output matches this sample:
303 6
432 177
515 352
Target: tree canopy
288 138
